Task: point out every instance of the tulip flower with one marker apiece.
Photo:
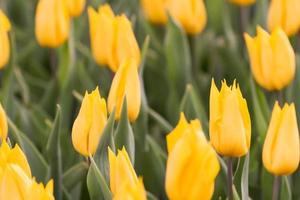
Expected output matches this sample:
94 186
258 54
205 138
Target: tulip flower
14 156
192 165
38 191
3 124
89 124
243 2
281 147
191 14
272 59
126 83
75 7
123 179
155 11
284 14
112 38
52 22
229 124
4 41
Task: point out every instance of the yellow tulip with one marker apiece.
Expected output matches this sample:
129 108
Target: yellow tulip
126 83
272 59
75 7
101 33
192 165
243 2
281 147
4 40
3 124
39 192
284 14
124 182
155 11
229 124
14 183
14 156
191 14
112 38
52 22
89 124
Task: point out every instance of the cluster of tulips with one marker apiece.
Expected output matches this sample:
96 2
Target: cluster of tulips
193 163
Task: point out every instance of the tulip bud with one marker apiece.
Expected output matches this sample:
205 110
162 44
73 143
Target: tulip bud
155 11
243 2
192 165
4 41
38 191
14 156
14 183
229 124
272 59
112 38
123 179
3 124
191 14
75 7
281 147
126 83
52 22
89 124
284 14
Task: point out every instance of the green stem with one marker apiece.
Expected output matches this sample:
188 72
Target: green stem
229 179
276 188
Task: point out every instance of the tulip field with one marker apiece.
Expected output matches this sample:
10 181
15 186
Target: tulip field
149 99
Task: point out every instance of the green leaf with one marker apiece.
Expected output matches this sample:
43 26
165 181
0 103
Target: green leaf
286 191
97 186
244 181
74 175
38 165
124 135
106 140
53 151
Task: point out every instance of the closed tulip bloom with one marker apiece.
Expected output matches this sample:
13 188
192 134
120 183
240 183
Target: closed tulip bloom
284 14
39 192
243 2
191 14
14 156
192 166
75 7
272 59
281 147
126 83
101 33
3 124
52 22
89 124
124 182
229 124
154 10
4 40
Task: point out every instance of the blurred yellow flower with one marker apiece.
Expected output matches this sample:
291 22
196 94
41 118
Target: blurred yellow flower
52 22
75 7
126 83
14 156
284 14
272 58
281 147
112 38
5 27
124 182
243 2
39 192
89 124
192 165
229 123
3 124
155 11
191 14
